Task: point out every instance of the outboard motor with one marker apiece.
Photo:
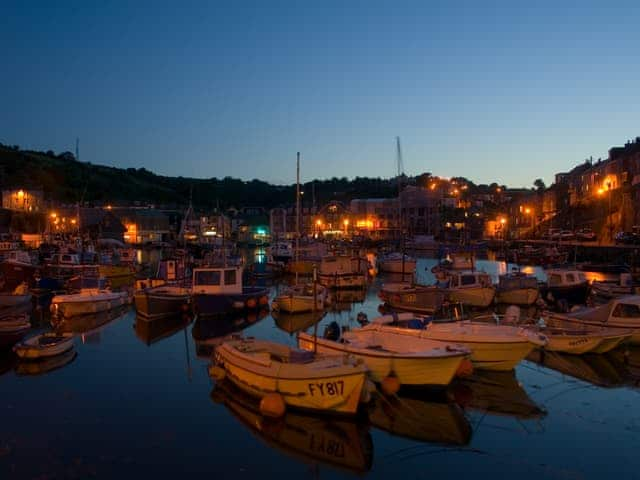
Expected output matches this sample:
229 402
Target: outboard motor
362 319
332 331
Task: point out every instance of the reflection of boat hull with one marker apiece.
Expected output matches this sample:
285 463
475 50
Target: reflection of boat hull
421 419
251 299
45 365
162 301
294 322
153 331
596 369
336 442
496 393
209 332
13 329
118 275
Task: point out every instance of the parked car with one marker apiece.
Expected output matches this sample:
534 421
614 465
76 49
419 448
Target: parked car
586 234
566 235
626 238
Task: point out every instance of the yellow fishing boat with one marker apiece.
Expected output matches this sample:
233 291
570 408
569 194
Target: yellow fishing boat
327 383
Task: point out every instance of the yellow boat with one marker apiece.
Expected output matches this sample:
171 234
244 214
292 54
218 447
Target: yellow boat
327 383
413 361
337 442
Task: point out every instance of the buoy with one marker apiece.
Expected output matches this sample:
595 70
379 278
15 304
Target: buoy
272 405
390 385
251 303
216 372
465 369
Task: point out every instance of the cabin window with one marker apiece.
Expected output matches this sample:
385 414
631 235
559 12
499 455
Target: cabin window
625 310
555 279
229 277
571 278
208 277
467 280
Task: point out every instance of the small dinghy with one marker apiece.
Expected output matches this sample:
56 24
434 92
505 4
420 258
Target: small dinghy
46 344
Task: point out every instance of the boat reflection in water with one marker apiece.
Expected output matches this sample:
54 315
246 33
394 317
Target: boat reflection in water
342 299
603 370
421 416
295 322
45 365
334 441
497 393
152 331
7 360
209 332
629 357
88 327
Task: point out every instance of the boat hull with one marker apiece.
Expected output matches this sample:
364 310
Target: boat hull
520 296
480 297
64 306
336 391
410 370
150 304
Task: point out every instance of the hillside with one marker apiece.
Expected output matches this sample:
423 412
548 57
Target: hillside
64 179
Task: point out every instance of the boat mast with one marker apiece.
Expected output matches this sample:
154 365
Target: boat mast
297 212
400 222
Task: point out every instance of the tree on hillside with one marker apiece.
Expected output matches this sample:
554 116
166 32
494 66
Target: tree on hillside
539 184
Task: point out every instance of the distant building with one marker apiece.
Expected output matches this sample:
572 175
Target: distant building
145 225
377 218
22 199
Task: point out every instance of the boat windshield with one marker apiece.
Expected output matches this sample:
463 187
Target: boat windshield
626 310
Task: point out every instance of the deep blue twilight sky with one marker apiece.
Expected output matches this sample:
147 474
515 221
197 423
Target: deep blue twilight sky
488 90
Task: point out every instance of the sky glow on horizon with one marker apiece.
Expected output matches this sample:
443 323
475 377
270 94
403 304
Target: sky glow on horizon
497 92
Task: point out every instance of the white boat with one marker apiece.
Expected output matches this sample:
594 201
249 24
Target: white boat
397 262
88 301
413 360
327 383
44 345
493 347
301 298
621 314
474 289
343 271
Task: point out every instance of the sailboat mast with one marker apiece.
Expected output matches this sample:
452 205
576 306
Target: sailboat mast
297 204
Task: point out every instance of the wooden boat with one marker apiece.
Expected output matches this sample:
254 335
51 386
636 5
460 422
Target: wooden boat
343 271
45 365
17 268
422 419
88 301
44 345
496 393
621 314
493 347
300 298
474 289
13 328
413 360
413 298
341 443
397 262
569 287
326 383
517 289
219 291
162 301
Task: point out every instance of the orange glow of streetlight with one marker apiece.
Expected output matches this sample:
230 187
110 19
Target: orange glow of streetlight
527 210
20 193
503 220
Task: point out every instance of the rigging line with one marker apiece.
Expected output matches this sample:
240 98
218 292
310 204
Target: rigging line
579 387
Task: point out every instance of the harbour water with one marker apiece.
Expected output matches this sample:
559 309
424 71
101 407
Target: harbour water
134 400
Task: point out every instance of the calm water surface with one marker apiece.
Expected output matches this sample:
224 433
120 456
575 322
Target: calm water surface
135 401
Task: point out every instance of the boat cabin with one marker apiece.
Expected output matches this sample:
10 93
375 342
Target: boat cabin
565 278
217 280
516 281
469 280
19 256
